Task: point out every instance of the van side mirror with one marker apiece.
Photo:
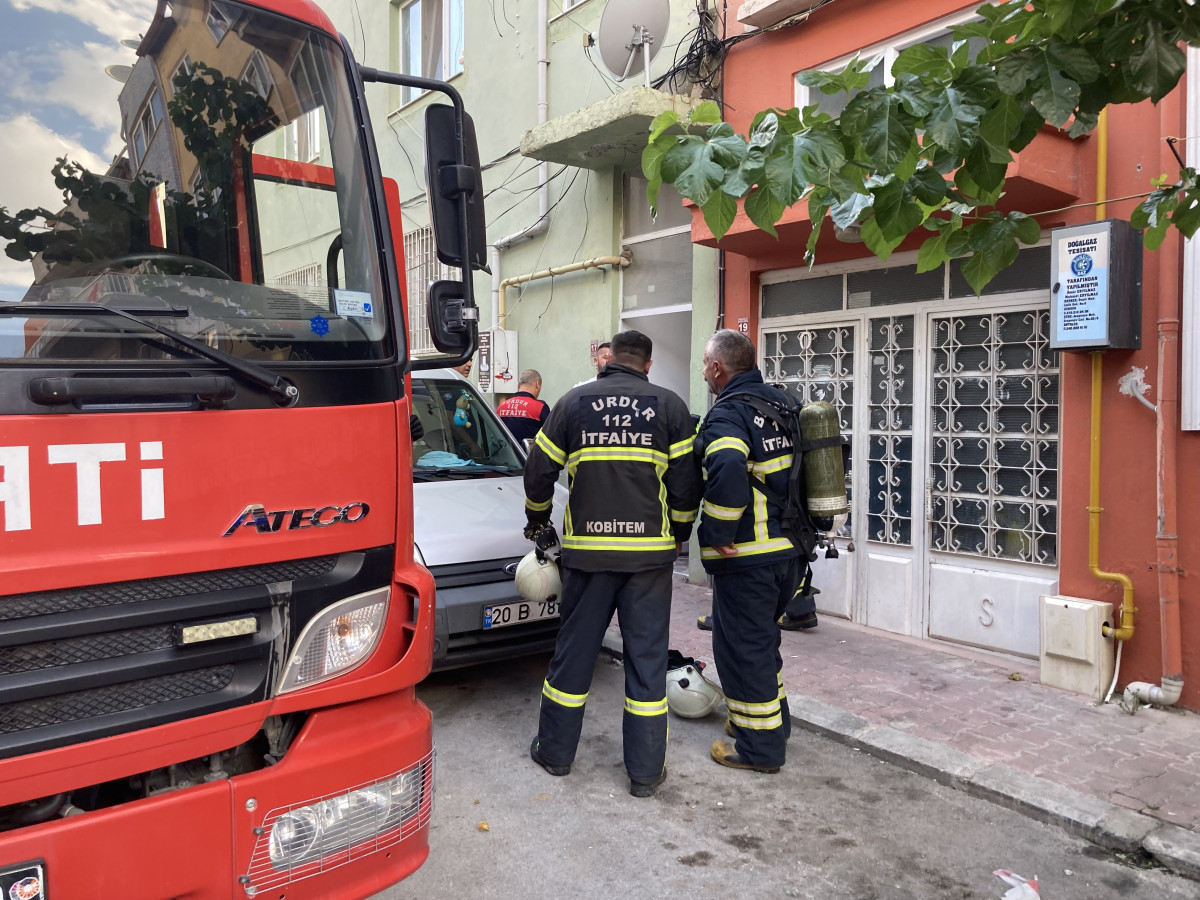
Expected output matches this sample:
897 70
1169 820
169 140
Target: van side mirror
446 181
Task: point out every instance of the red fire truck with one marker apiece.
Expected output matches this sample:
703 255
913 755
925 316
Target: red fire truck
211 620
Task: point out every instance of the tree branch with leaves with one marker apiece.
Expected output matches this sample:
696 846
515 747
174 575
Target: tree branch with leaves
930 151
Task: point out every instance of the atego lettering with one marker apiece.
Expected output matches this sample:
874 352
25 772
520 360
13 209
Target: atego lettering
269 522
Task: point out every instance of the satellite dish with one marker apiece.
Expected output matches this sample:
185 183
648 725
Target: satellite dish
132 43
631 33
120 72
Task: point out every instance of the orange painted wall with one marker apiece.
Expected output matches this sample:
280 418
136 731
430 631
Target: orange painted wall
759 74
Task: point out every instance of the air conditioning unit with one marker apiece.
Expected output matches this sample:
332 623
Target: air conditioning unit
764 13
1075 654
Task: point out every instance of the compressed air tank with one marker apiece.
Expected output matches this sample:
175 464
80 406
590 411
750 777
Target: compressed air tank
824 475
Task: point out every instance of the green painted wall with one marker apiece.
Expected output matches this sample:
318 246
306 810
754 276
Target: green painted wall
556 318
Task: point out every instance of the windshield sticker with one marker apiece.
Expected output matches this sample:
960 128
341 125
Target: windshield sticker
319 325
354 304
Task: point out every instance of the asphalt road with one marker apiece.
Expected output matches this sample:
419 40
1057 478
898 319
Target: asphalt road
834 823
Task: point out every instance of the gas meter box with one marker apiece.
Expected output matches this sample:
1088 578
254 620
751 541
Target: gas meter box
1096 287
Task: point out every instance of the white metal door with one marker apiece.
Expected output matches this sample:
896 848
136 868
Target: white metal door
992 489
955 465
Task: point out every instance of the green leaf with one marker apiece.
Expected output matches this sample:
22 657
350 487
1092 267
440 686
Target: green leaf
1014 72
889 135
1157 65
816 155
997 127
661 123
705 112
764 210
1031 124
994 241
1057 96
752 168
690 167
763 133
928 186
933 253
848 212
924 61
896 213
954 123
1076 61
873 237
719 213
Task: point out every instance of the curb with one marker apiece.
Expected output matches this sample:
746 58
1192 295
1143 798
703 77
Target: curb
1099 821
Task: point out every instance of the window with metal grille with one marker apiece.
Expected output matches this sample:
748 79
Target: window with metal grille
421 268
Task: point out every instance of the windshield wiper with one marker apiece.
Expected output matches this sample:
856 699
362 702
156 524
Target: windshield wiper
284 392
467 470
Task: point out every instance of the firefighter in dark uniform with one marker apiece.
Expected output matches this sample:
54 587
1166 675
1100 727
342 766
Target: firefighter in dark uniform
635 490
755 568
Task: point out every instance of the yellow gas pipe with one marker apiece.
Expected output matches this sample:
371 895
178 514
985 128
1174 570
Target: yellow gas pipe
1125 631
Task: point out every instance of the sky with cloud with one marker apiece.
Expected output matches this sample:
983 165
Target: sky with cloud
57 99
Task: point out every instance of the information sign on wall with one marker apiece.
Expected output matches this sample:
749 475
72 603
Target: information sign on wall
1095 287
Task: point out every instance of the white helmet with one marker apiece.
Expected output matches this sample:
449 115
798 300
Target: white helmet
538 579
690 694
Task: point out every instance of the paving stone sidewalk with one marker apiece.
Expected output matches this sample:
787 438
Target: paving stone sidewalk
986 725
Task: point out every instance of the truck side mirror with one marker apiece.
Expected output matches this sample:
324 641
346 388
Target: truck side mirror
446 181
452 332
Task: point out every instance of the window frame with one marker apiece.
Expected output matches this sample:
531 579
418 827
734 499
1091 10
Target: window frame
888 49
218 14
447 71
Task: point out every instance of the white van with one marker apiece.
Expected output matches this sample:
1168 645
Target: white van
469 512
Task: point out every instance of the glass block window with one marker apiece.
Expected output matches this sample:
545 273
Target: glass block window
994 437
890 439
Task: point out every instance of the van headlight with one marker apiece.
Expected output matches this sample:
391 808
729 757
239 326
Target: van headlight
336 640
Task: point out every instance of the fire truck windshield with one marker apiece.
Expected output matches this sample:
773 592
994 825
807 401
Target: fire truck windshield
240 207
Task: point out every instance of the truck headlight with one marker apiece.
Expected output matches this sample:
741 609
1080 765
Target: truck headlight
337 639
338 823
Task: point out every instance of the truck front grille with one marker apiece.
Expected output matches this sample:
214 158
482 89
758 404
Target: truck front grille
83 663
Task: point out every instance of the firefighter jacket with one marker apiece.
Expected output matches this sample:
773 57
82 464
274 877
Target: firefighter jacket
524 414
734 443
633 479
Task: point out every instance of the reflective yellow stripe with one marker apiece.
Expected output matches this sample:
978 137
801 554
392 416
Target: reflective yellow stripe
727 443
682 448
750 548
646 707
775 721
615 542
753 709
550 448
782 464
562 698
726 513
760 516
682 515
539 507
782 693
626 454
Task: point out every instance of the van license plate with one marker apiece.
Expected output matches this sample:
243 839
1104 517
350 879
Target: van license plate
518 613
24 882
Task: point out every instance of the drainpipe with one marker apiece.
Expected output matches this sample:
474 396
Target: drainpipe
1167 436
621 261
1125 631
543 221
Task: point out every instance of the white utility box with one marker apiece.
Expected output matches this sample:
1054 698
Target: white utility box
1075 654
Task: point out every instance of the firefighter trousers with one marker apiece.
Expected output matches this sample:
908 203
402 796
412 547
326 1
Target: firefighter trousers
746 603
642 602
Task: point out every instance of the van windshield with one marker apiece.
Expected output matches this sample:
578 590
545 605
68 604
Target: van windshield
463 438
